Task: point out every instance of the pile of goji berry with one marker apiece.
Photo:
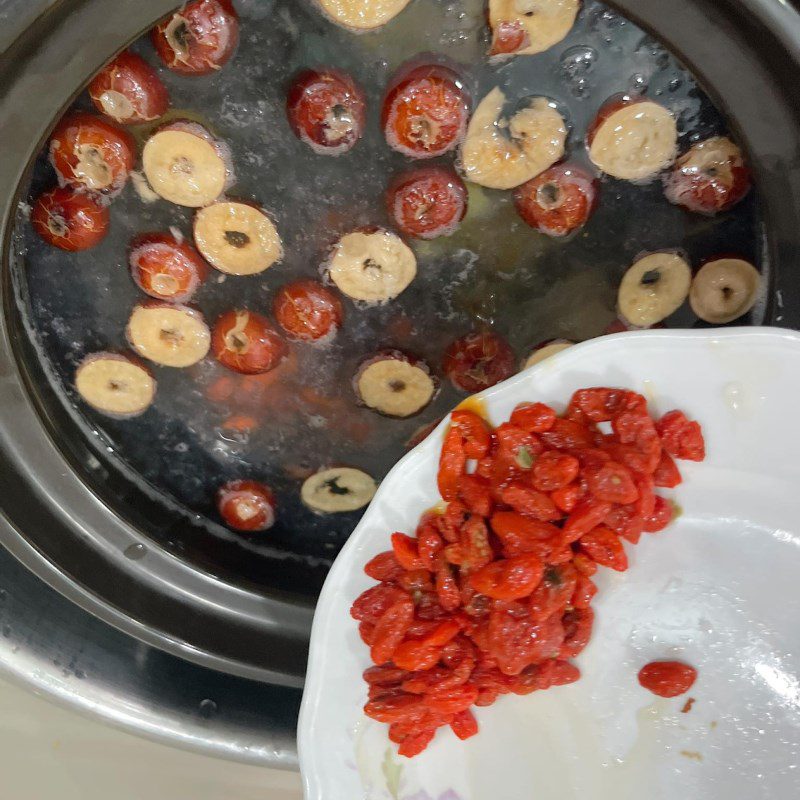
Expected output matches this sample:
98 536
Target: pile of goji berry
493 594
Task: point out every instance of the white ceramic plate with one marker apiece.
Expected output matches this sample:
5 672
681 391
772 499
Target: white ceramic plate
720 589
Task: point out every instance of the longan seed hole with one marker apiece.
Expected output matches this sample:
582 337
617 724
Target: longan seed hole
333 487
371 264
117 386
397 386
182 165
237 238
548 196
526 7
651 277
727 292
712 172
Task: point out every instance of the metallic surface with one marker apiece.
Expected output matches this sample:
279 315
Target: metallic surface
746 53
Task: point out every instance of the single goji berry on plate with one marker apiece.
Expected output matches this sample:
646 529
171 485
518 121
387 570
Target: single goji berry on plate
533 417
604 546
667 678
680 437
554 470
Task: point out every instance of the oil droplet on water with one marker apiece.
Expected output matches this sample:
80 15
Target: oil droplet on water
135 552
207 708
638 82
574 65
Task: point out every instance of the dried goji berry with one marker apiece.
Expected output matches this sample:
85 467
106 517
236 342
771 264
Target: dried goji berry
667 678
667 474
661 516
567 435
384 567
365 631
589 514
596 405
385 676
474 431
530 502
554 470
413 745
520 534
510 578
555 591
452 463
372 604
533 417
680 437
406 552
584 565
429 545
452 701
416 580
390 630
517 444
612 483
476 551
603 546
577 631
517 643
476 494
567 497
585 590
626 522
446 587
394 707
464 724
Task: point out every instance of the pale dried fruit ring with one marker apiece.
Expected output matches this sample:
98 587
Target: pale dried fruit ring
724 290
362 15
237 238
502 155
394 384
546 350
653 288
171 335
114 385
338 489
633 140
526 27
372 266
184 168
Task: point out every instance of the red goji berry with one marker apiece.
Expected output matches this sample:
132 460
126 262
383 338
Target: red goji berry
372 604
429 545
555 591
612 483
406 552
584 565
530 502
661 516
667 678
584 592
476 494
567 497
446 587
509 579
596 405
533 417
625 522
452 463
667 474
474 431
589 514
603 546
577 631
567 435
384 567
520 534
413 745
390 630
680 437
554 470
464 724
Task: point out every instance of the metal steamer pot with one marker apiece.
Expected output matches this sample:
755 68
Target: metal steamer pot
169 648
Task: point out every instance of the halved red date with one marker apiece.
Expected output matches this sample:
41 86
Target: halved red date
478 360
307 311
245 342
68 220
166 267
246 505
